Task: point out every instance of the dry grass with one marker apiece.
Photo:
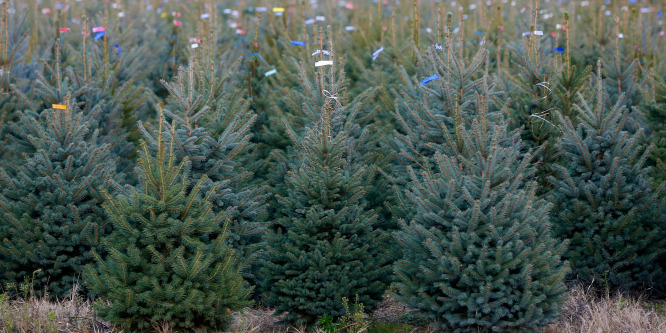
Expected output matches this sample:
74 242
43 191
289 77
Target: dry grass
583 313
39 315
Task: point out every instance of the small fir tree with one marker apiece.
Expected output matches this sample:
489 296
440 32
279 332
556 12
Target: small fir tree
478 253
604 202
168 260
50 206
326 245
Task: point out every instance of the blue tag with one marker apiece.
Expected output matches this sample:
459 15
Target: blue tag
659 14
434 77
559 49
257 55
118 47
99 35
297 42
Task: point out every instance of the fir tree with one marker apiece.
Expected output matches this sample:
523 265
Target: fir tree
529 89
168 260
51 215
654 112
604 202
314 90
478 253
14 72
212 125
625 78
427 112
103 100
326 245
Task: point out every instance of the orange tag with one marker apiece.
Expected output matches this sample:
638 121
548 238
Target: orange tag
60 106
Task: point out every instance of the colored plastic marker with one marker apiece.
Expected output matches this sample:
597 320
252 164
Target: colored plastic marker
426 80
297 42
59 106
321 51
271 72
324 63
376 53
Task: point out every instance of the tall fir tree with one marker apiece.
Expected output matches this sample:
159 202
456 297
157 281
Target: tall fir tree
105 102
653 110
326 244
314 90
478 255
50 206
212 131
604 202
168 262
13 70
528 86
429 106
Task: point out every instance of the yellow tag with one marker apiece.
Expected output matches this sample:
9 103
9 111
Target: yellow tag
278 10
163 15
59 106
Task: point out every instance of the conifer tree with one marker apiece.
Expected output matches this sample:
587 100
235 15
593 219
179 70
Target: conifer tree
604 202
168 259
625 77
212 131
654 113
529 87
326 245
315 89
428 109
50 207
478 255
103 100
14 70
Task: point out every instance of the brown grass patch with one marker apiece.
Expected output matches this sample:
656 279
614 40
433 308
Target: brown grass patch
582 313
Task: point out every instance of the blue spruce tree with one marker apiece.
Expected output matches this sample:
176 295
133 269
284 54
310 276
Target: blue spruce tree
50 209
212 132
604 201
326 244
169 262
478 255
